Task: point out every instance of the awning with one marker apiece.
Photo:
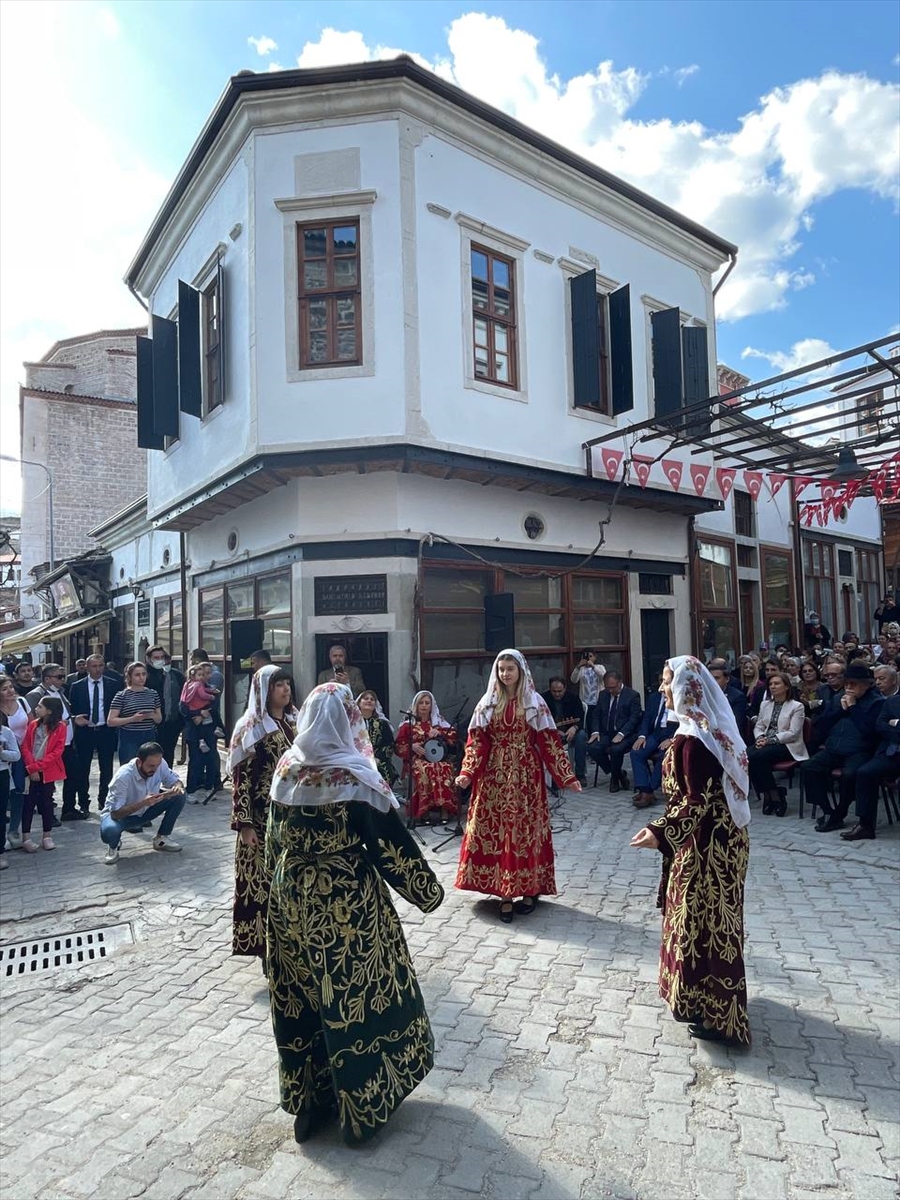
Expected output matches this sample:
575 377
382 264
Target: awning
22 639
50 631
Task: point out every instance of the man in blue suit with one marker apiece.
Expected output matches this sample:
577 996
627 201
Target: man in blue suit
883 768
614 726
89 701
657 730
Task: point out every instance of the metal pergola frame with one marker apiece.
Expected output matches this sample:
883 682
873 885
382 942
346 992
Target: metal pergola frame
723 425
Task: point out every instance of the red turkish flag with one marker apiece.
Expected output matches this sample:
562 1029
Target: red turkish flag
880 482
828 491
612 460
642 464
776 482
801 483
673 469
699 477
725 480
753 483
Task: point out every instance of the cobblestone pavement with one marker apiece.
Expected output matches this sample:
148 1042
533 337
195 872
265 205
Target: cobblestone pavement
559 1072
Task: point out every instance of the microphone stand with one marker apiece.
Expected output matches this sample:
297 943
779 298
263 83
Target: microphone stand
410 819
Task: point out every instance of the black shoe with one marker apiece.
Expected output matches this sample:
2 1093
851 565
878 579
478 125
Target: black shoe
507 908
310 1120
74 815
859 833
823 821
830 825
623 780
614 785
767 807
706 1035
56 821
526 905
582 779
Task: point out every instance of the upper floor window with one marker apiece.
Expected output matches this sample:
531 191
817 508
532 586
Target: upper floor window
329 294
744 514
213 375
494 317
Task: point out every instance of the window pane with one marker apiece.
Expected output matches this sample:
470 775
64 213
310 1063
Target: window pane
454 631
501 341
715 575
781 629
447 587
277 638
600 629
240 600
534 629
212 606
543 666
212 638
479 295
481 362
315 274
778 584
534 593
162 615
501 368
274 595
318 347
318 314
479 266
481 333
345 307
501 274
454 680
345 239
595 593
502 303
346 343
345 272
313 243
720 639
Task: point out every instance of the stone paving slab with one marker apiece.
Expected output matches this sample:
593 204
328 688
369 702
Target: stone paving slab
559 1074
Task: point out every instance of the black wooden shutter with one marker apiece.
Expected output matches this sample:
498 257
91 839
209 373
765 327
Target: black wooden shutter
665 329
696 374
147 437
190 393
165 377
621 368
223 323
585 340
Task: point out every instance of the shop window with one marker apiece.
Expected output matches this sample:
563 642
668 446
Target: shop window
778 597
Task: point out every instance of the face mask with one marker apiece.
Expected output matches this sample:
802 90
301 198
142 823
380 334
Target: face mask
167 667
159 663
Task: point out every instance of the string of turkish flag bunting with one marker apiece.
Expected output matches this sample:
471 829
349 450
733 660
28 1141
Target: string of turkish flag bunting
884 482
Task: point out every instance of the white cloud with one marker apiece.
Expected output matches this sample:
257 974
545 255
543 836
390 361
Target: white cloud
684 73
754 184
264 45
801 354
109 23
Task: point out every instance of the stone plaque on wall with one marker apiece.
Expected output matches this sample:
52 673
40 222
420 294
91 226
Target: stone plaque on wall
338 595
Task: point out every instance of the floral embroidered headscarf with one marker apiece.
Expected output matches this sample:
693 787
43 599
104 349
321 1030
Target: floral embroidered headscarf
537 714
704 712
256 721
331 740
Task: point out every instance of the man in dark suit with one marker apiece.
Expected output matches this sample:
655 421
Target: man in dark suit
167 682
614 726
883 768
736 696
568 713
80 672
655 737
90 699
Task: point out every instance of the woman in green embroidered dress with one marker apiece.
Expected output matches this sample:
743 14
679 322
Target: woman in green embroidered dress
351 1028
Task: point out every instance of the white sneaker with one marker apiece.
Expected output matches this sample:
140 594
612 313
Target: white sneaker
112 855
163 844
194 797
29 847
4 863
48 843
14 841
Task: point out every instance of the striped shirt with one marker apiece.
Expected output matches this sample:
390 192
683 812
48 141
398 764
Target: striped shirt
134 700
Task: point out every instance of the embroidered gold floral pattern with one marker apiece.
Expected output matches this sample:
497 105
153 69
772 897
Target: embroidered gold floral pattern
701 972
347 1012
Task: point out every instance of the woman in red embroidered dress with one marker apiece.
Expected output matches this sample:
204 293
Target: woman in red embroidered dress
507 850
432 782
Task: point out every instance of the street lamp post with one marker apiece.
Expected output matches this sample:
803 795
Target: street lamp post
28 462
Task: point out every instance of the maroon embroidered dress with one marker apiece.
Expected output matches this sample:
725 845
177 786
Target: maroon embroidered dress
705 855
507 849
433 785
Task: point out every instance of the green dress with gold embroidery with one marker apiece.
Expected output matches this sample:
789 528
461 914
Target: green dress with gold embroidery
348 1016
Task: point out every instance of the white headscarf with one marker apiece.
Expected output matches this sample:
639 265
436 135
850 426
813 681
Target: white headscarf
537 714
704 712
331 735
435 719
257 721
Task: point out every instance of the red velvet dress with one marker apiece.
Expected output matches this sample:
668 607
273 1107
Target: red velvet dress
507 849
433 785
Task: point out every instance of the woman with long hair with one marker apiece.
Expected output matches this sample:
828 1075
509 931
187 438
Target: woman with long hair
705 847
432 782
380 734
42 750
262 735
135 712
753 687
507 850
351 1028
809 693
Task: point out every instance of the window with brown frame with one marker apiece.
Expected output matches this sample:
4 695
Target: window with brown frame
168 628
494 317
778 597
818 581
330 300
213 376
868 593
719 626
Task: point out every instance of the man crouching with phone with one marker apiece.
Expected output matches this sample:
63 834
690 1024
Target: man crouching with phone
139 792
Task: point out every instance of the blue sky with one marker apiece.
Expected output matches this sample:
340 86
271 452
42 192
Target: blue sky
102 101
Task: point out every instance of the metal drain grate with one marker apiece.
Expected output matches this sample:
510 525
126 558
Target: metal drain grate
37 955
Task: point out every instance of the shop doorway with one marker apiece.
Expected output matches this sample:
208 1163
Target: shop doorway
368 651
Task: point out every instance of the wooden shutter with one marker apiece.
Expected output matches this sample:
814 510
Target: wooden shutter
621 368
165 377
223 326
585 340
147 438
190 389
666 337
695 357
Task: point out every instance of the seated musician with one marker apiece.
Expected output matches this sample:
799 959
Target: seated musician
568 713
433 788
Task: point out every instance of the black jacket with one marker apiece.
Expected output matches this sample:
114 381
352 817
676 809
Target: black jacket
852 730
628 713
80 696
651 716
569 709
889 734
157 680
737 698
